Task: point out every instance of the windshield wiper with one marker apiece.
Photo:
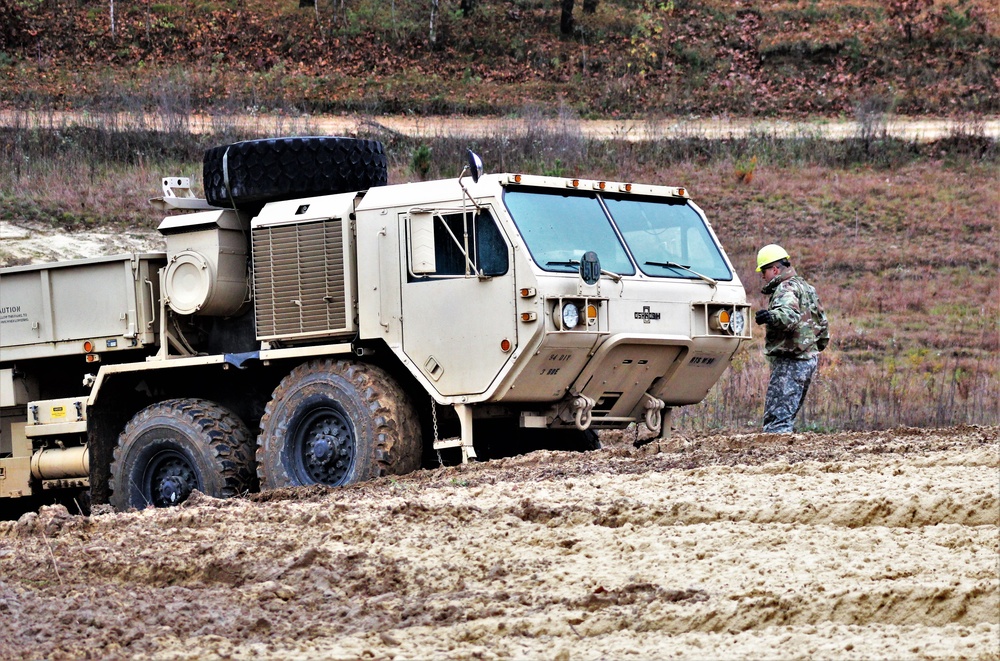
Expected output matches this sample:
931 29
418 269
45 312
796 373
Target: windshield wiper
675 265
576 264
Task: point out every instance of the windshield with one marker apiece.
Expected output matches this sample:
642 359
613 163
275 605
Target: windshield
663 234
666 236
559 227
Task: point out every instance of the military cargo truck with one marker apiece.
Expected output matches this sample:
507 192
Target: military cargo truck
309 323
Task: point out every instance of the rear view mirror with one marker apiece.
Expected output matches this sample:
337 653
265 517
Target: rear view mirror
590 267
475 165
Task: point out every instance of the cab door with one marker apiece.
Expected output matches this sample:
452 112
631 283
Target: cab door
458 298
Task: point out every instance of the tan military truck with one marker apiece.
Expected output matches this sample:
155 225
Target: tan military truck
357 328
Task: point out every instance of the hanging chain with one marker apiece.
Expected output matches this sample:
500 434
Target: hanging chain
434 418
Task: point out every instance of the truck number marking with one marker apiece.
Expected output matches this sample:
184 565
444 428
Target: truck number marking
646 315
560 357
702 361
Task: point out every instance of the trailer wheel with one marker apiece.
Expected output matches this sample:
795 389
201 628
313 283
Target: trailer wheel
248 174
336 423
169 449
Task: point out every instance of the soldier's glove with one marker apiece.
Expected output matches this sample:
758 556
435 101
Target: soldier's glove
763 317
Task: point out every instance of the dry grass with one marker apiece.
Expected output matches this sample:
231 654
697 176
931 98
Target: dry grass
904 257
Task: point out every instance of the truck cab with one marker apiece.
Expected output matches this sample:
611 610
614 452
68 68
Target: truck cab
481 295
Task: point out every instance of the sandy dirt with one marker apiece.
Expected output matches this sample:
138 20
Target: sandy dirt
848 546
26 242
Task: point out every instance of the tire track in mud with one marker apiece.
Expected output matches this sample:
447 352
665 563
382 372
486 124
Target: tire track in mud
884 552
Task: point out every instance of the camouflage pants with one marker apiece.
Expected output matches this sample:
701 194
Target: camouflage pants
786 390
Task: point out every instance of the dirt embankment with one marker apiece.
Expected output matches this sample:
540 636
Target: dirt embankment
860 545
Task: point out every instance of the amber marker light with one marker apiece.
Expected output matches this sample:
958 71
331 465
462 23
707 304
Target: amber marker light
517 178
681 192
591 313
573 183
505 345
88 346
93 358
719 320
627 188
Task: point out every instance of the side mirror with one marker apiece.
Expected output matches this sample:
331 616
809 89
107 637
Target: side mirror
475 165
590 267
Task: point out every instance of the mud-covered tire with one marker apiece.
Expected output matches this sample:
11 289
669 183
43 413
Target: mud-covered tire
336 423
171 448
249 174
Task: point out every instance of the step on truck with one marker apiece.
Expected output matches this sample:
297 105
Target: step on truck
308 323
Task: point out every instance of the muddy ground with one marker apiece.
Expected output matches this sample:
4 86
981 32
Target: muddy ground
848 546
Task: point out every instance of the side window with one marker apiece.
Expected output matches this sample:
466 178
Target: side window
464 244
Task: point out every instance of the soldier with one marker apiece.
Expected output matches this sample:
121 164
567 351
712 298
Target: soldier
797 331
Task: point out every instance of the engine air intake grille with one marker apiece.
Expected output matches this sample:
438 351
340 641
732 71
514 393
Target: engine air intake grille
299 285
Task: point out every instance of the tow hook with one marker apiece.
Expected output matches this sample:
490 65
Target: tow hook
583 408
654 412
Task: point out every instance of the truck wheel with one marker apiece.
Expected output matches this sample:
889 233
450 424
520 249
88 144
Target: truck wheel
172 448
336 423
248 174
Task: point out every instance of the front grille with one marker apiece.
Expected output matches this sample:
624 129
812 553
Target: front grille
299 280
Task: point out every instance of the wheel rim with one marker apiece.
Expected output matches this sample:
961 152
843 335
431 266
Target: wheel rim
324 447
169 479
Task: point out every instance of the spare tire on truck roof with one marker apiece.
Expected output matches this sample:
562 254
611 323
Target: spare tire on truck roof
251 173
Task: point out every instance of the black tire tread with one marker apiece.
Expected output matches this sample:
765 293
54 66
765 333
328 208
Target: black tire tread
231 445
273 169
394 421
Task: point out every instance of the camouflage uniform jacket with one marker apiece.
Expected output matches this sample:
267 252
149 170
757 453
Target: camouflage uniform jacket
798 327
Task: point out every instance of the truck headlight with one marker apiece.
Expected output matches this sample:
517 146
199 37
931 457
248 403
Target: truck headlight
569 316
737 322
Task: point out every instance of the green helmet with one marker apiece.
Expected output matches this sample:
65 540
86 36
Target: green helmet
770 254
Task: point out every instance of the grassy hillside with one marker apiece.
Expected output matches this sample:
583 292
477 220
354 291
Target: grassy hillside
628 58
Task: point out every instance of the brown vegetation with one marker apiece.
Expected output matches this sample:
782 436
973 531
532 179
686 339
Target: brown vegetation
625 58
898 237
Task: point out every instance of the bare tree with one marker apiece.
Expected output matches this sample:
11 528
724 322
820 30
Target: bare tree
909 14
434 11
566 17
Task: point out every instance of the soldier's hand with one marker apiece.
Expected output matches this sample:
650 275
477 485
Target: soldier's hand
763 317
